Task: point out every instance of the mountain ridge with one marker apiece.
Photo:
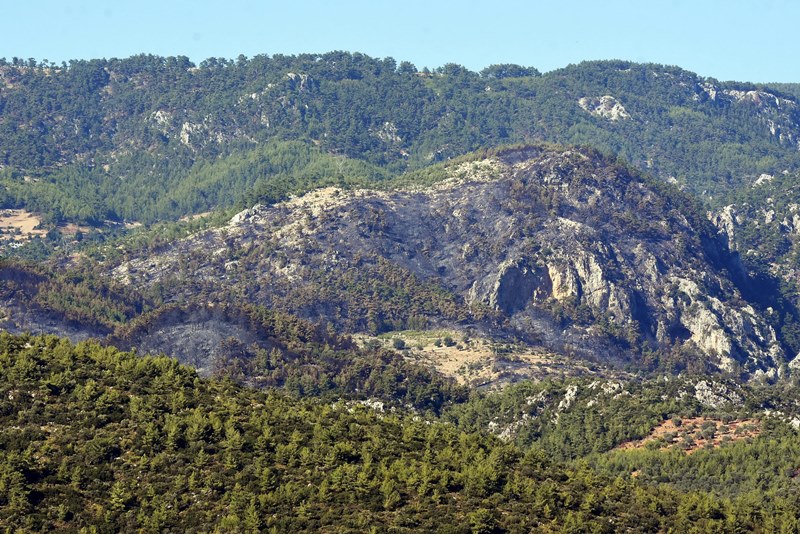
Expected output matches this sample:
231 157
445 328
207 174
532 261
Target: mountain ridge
120 124
405 307
517 243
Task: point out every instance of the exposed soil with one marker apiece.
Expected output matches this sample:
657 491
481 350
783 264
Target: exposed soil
22 220
697 433
195 216
478 361
72 229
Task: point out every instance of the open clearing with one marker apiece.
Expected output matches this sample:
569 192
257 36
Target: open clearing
21 224
696 433
194 216
477 361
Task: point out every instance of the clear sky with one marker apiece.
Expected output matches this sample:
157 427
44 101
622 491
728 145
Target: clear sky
745 40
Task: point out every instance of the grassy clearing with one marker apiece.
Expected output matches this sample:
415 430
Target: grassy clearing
475 360
21 224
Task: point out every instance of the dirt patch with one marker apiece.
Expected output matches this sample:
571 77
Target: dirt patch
20 224
194 216
696 433
477 361
320 200
317 200
71 229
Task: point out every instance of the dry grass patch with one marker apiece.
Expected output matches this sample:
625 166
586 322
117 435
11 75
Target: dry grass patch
194 216
695 433
21 223
474 360
71 229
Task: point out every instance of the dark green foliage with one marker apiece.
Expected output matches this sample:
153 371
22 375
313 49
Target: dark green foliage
508 70
787 88
76 296
304 359
568 432
378 296
769 241
764 230
147 188
96 438
587 422
149 138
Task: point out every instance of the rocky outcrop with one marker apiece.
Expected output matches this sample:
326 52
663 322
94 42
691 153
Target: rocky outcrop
605 106
716 395
778 113
727 221
512 287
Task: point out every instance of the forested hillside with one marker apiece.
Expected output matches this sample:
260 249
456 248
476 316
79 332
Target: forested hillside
245 343
149 138
762 222
96 438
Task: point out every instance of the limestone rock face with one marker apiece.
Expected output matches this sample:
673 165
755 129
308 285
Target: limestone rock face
716 395
559 247
605 106
763 225
727 221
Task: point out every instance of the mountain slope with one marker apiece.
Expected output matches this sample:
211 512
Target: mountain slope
118 139
96 439
245 343
561 247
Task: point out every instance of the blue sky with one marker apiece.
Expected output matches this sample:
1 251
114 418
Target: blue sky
742 40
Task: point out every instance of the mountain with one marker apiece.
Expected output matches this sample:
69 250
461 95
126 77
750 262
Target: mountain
107 142
402 305
149 138
762 224
562 248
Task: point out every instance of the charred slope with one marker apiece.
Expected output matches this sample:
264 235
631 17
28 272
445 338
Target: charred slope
249 344
562 247
275 350
35 298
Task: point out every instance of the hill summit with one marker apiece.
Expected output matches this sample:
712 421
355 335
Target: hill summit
560 247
